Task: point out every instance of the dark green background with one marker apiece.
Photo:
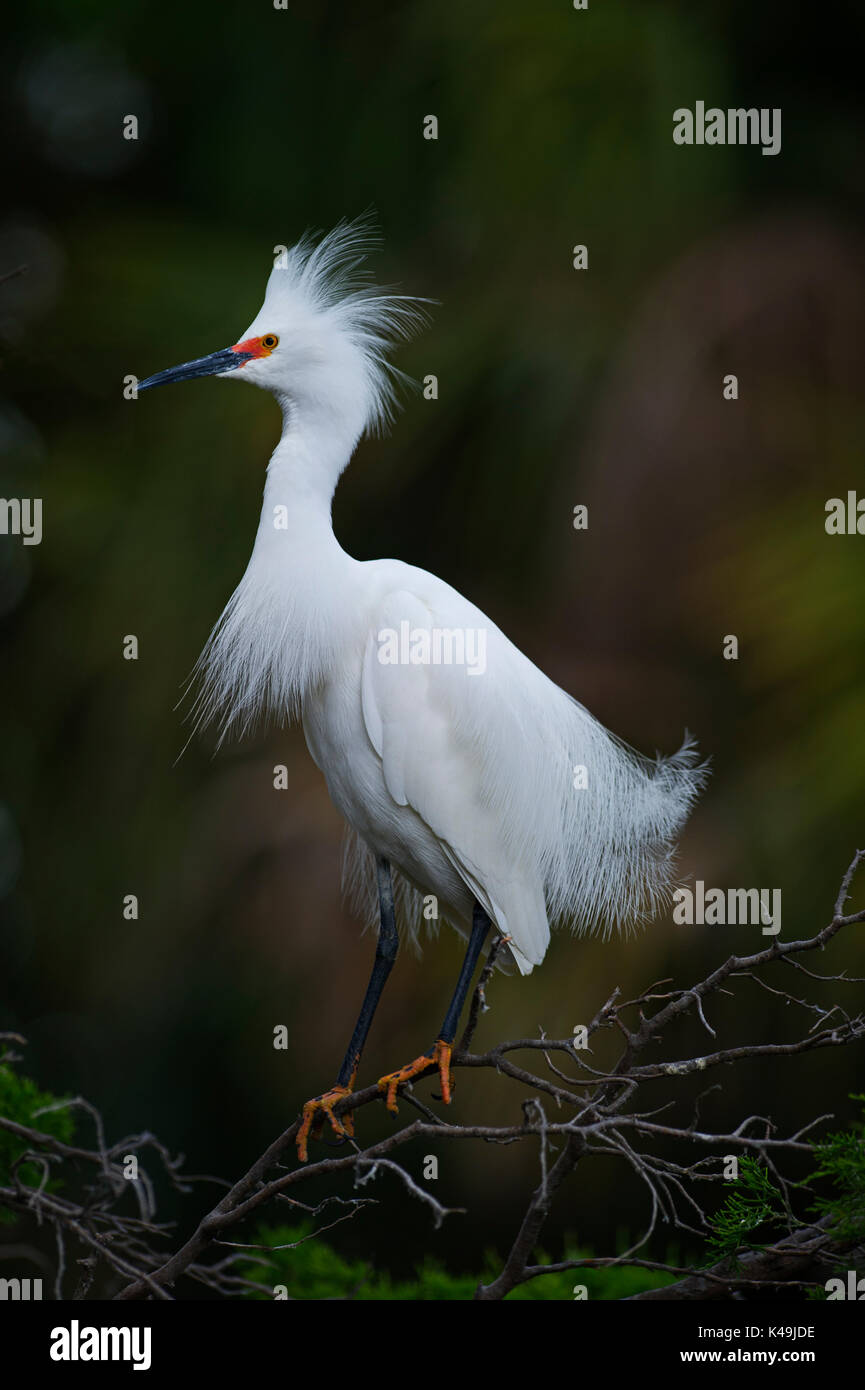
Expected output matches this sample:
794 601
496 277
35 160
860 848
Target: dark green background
556 387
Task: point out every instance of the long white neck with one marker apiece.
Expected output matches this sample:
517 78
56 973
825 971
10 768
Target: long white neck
302 475
293 611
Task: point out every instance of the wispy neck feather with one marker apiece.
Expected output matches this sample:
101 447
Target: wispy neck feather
285 623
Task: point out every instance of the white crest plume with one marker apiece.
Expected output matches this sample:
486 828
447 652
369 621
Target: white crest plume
321 286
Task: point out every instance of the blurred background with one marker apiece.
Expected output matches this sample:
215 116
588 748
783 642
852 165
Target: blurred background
556 387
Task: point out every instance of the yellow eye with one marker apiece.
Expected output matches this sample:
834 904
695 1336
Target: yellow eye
270 341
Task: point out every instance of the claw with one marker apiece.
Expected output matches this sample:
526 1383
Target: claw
439 1056
315 1112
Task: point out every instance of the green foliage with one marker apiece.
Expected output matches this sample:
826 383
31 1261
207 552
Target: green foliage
842 1160
312 1269
21 1100
753 1201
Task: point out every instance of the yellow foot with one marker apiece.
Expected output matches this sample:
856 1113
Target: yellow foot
316 1111
439 1056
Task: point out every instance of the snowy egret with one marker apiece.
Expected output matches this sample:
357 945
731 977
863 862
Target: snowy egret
476 788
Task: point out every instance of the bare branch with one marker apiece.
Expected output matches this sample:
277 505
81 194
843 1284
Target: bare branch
612 1111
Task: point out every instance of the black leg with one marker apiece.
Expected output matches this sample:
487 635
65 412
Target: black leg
322 1107
480 926
385 955
440 1054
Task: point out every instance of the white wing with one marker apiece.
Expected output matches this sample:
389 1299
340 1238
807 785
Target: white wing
545 814
416 718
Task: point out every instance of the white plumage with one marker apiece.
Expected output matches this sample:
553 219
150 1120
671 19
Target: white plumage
464 779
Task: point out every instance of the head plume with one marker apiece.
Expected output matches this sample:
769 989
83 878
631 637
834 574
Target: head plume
325 303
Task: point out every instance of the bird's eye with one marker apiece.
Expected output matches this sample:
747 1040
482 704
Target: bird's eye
269 341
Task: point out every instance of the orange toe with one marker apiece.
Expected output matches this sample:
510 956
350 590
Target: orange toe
315 1112
439 1056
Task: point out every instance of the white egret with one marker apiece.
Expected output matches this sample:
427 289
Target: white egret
464 772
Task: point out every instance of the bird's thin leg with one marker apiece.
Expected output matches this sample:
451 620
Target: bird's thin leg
318 1109
480 926
440 1054
385 955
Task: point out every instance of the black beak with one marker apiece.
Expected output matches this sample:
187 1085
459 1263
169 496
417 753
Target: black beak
225 361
